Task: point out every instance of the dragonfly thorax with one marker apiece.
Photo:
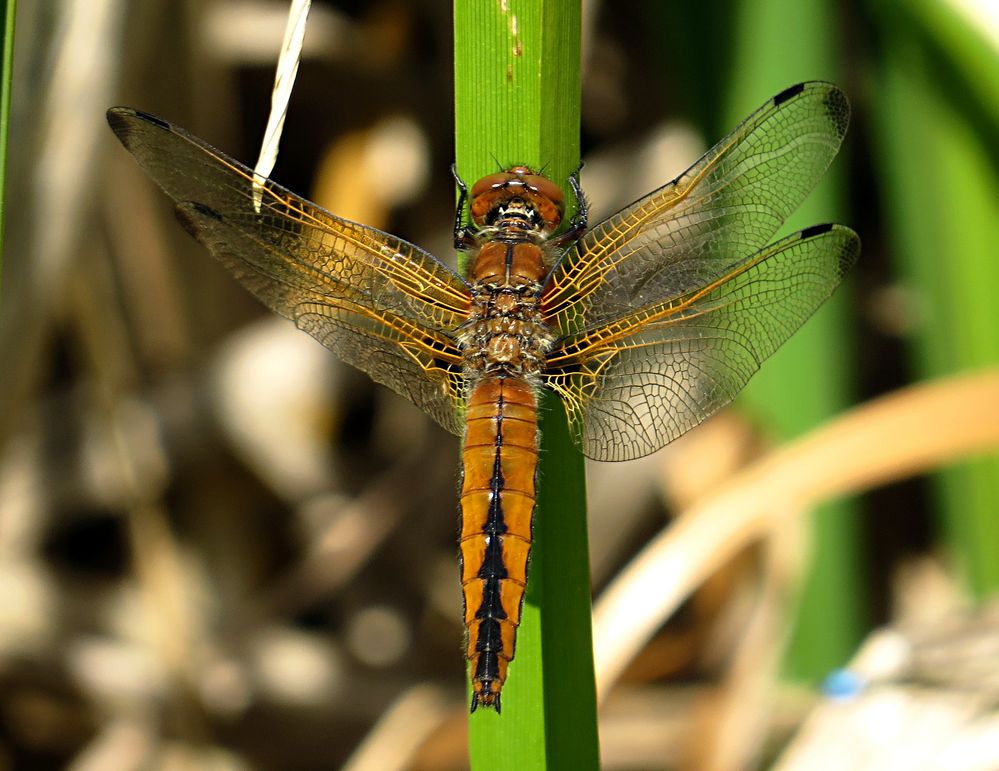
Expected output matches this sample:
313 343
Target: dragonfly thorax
505 332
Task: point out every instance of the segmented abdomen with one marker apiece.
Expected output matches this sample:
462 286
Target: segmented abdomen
499 463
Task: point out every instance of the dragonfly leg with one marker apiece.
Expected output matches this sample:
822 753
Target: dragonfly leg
580 219
464 235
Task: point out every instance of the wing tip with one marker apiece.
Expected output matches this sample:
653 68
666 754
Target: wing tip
838 108
119 119
849 250
835 101
122 121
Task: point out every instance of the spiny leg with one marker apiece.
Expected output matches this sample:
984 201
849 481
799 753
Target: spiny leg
464 235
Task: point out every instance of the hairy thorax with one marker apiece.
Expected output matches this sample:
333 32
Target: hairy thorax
505 333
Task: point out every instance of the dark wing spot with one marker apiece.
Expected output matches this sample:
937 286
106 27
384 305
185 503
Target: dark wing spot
187 215
815 230
152 119
788 93
208 211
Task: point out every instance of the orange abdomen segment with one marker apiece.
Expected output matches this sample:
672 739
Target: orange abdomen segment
499 463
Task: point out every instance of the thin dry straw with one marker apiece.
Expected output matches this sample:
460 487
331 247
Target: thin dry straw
284 81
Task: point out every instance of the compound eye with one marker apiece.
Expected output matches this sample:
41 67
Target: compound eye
492 182
546 199
546 188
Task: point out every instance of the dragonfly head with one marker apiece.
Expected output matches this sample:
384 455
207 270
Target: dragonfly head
517 198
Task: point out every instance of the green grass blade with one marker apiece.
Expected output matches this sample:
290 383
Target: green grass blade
778 43
959 49
6 79
517 96
940 163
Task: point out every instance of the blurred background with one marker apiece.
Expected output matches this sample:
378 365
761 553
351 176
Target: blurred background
221 548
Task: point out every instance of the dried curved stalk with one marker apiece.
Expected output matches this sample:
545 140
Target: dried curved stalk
904 433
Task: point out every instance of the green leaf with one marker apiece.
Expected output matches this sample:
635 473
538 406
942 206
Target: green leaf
935 121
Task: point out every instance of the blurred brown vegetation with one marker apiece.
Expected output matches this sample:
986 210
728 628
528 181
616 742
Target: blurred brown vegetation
219 547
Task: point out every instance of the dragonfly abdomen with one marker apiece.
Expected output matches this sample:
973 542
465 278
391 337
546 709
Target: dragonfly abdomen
499 463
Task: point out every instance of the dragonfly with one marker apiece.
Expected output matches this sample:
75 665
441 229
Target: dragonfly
644 325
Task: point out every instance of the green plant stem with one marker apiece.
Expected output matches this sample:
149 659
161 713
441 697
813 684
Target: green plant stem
517 96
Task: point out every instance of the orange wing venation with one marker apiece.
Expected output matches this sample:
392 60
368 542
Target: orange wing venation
382 304
636 384
695 229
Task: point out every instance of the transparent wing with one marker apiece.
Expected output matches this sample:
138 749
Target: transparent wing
382 304
692 231
637 383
